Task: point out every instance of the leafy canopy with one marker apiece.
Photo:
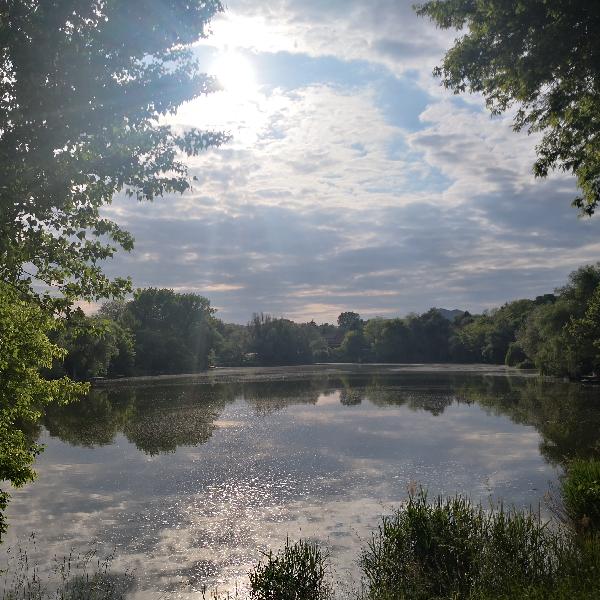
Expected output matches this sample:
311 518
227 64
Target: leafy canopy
173 332
24 350
542 56
84 87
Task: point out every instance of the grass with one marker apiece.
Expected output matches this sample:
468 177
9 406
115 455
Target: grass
453 549
84 576
581 494
297 572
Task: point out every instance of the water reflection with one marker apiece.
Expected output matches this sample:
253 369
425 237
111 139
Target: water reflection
155 419
190 479
161 418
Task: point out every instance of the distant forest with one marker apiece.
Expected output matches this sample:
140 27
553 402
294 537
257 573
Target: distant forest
160 331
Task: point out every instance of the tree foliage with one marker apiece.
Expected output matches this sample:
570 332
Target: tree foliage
84 87
24 350
95 347
173 332
559 334
349 321
542 56
278 341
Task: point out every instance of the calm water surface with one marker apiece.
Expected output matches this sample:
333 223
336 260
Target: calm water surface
190 478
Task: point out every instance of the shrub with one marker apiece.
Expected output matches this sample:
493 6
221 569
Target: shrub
453 549
581 494
297 572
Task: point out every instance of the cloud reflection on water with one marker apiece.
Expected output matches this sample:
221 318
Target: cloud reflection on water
189 481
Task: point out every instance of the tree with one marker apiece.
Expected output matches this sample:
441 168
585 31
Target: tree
390 339
430 333
558 336
24 350
173 332
279 341
95 347
544 339
231 343
585 334
353 345
83 89
349 321
542 56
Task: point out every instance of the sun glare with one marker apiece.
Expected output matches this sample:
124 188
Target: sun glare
235 73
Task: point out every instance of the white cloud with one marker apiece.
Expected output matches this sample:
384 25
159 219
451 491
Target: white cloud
384 31
323 203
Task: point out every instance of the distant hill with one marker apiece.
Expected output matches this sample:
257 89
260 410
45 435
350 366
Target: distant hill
449 314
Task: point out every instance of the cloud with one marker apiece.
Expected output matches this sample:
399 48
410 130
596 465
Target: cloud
353 182
384 31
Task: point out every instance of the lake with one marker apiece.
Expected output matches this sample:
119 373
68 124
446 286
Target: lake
189 479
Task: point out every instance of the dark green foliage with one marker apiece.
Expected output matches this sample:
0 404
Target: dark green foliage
452 549
581 494
487 337
25 351
559 334
515 356
390 339
173 332
560 337
542 56
231 343
353 346
349 321
159 331
430 335
95 347
297 572
279 341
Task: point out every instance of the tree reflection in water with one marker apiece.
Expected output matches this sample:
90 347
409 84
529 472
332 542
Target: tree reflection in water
159 418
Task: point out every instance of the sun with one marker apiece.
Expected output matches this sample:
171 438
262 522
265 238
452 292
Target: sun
235 73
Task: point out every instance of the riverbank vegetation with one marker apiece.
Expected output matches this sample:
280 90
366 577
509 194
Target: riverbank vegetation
445 549
451 549
159 331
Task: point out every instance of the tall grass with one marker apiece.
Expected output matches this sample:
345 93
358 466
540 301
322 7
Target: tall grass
451 548
84 576
297 572
581 494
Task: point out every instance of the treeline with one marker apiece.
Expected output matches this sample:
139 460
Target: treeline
160 331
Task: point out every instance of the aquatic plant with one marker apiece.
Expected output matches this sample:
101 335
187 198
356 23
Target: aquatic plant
297 572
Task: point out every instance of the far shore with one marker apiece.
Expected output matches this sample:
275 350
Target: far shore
282 372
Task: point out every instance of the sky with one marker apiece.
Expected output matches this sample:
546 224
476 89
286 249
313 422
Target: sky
353 180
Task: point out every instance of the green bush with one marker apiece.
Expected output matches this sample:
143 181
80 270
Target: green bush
297 572
581 494
453 549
